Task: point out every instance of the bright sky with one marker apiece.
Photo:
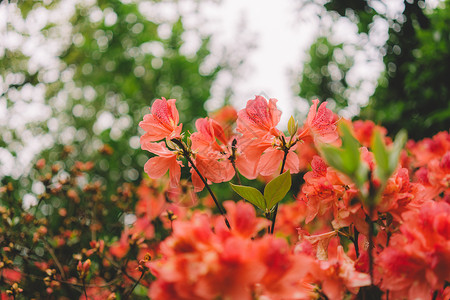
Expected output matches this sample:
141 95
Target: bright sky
280 40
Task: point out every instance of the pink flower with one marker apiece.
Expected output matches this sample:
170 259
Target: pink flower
417 262
243 221
320 124
157 166
226 117
400 195
162 122
363 132
214 167
336 276
429 149
250 152
209 133
259 118
271 160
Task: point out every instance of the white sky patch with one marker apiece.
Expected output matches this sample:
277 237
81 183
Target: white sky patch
280 39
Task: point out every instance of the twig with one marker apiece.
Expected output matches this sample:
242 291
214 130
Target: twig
232 158
58 264
371 246
286 151
134 286
84 289
186 154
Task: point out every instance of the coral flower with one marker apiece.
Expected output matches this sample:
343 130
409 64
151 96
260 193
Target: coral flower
271 161
338 275
320 124
162 122
157 166
209 133
417 262
214 167
259 118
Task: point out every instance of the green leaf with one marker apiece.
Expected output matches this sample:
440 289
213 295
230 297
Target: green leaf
250 194
333 156
277 188
381 155
292 126
347 159
350 156
361 176
399 143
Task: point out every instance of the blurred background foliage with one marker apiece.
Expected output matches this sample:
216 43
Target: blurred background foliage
83 73
413 90
113 60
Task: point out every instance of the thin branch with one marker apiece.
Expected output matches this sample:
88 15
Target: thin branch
286 151
232 158
186 154
84 289
58 264
371 246
134 286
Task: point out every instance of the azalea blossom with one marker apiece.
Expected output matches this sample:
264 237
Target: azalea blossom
259 118
320 124
157 166
162 122
214 167
417 261
338 275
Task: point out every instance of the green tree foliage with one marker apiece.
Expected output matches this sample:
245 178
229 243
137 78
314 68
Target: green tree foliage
413 92
113 63
323 76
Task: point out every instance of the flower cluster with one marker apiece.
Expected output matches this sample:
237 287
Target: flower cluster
362 192
199 263
257 148
333 209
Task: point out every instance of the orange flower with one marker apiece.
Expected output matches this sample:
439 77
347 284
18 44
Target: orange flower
209 133
162 122
157 166
214 167
416 263
320 124
259 118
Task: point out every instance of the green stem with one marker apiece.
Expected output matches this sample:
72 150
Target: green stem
232 158
355 241
186 154
238 179
222 212
134 286
286 151
84 289
371 246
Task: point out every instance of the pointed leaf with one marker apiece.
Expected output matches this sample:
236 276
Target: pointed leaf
399 143
381 155
277 188
351 156
333 156
292 126
250 194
